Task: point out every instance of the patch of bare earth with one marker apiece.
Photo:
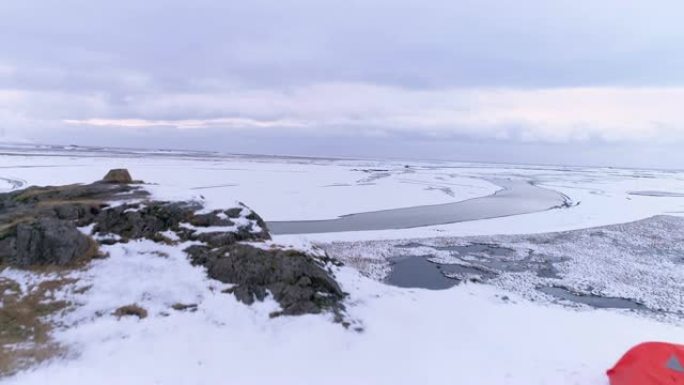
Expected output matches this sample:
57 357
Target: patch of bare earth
130 310
25 326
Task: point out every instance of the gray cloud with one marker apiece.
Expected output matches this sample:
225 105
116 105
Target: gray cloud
439 43
508 73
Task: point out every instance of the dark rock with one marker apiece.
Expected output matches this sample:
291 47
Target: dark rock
148 220
48 241
55 195
119 175
134 222
8 247
77 211
185 307
202 254
39 226
298 282
211 219
221 239
252 216
235 212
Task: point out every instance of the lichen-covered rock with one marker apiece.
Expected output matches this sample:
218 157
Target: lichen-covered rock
119 175
47 241
40 226
50 196
211 219
298 282
148 220
143 221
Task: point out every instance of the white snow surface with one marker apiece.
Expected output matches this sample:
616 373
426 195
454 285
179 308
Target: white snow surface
640 261
312 190
603 195
300 189
465 335
5 185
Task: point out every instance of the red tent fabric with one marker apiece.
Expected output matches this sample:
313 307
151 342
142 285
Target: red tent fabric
651 363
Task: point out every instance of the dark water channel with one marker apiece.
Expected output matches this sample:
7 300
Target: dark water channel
516 197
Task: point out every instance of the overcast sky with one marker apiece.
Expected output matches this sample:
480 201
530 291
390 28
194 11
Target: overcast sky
578 82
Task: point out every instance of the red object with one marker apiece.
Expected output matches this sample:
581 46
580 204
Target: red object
651 363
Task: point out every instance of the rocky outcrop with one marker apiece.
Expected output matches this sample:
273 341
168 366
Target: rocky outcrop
50 241
120 175
135 221
299 283
47 226
39 225
151 218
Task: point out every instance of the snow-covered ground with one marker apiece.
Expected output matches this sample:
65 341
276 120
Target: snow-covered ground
640 262
278 189
5 185
297 189
466 335
603 195
469 334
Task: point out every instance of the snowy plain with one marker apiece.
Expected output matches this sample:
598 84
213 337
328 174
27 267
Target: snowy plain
465 335
602 197
319 189
469 334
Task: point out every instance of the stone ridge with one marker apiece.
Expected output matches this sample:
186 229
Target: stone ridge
45 226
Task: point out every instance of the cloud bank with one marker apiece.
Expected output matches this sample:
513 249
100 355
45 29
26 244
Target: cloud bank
376 75
531 115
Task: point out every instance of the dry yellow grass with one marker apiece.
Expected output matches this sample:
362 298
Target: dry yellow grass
131 310
24 329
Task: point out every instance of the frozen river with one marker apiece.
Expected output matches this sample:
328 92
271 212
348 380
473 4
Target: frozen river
516 197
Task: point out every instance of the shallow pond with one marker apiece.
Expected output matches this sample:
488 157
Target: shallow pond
482 262
591 300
